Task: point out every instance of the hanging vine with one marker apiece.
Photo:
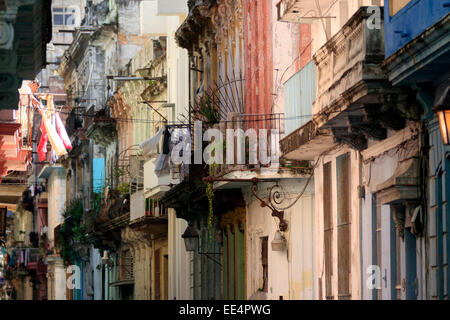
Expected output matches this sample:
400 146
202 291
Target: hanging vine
71 230
210 195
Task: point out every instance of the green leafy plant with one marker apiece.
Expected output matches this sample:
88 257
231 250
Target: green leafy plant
124 188
71 230
97 201
207 110
119 172
210 195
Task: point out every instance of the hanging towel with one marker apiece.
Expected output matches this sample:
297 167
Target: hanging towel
149 146
53 136
55 140
62 132
42 148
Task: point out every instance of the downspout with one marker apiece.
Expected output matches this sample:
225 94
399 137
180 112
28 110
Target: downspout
190 90
360 227
425 97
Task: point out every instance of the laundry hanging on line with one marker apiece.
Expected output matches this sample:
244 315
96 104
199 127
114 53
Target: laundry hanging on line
59 140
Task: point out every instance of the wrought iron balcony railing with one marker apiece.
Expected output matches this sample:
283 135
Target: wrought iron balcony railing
255 141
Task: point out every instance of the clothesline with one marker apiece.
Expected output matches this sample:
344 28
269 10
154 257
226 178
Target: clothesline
52 129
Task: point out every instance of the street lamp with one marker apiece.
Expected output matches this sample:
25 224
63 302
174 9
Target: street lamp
190 237
442 110
191 241
443 113
278 242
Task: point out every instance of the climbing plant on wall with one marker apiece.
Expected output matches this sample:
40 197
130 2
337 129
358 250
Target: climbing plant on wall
71 230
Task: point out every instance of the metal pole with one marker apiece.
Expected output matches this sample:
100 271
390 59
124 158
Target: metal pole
115 78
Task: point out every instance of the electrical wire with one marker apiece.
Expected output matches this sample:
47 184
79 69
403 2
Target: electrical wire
266 118
309 178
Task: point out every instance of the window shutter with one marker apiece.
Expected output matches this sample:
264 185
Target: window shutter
157 275
343 227
328 228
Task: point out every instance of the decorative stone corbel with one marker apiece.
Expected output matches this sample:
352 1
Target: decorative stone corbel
354 140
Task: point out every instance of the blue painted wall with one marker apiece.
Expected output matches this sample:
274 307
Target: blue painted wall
98 174
299 94
411 21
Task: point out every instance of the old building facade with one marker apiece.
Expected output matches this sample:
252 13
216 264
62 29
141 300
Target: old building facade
226 150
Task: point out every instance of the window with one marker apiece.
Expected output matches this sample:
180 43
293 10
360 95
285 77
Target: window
396 5
126 266
265 262
64 16
343 225
157 275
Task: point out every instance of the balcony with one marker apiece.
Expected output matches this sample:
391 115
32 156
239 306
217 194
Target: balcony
73 123
147 213
108 216
353 94
155 219
100 127
155 185
238 159
347 64
301 11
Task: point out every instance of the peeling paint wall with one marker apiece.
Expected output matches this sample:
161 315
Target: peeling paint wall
290 272
129 35
56 202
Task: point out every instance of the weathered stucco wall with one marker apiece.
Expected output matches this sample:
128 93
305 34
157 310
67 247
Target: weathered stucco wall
56 202
290 272
179 267
286 57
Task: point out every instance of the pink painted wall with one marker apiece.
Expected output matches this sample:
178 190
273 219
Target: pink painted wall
258 56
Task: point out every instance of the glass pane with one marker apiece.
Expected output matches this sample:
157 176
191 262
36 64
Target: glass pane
58 19
69 19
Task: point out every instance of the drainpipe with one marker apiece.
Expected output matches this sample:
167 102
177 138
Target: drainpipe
360 228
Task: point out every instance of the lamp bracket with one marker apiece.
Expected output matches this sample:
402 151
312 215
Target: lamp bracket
283 225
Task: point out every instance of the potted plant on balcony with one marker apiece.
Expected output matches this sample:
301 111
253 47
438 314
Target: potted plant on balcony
72 230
